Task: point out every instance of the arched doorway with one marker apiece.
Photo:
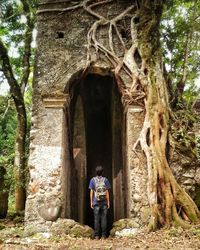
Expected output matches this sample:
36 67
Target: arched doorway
96 138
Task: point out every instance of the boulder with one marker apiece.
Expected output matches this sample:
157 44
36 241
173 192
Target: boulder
72 228
62 226
49 213
124 227
81 231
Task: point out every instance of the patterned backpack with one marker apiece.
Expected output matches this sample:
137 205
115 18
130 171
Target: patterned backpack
100 188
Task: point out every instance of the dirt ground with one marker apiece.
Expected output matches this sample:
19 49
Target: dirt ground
176 239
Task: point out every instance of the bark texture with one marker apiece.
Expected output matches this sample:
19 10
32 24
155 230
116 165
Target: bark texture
168 201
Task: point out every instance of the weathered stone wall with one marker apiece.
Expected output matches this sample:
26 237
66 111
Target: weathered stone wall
45 162
136 169
61 57
61 45
60 60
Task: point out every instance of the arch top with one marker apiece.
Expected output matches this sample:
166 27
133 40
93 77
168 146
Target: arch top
82 73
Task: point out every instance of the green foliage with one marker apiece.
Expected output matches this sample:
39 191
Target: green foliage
13 24
12 31
181 44
11 202
181 130
191 93
8 124
17 23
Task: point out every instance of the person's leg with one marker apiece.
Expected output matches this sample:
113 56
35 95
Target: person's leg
104 209
96 221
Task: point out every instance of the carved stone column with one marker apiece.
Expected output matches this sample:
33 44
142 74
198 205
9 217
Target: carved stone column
137 204
47 149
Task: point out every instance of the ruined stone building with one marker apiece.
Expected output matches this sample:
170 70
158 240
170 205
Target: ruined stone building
79 121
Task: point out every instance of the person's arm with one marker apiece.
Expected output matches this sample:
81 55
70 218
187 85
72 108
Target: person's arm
107 192
108 198
91 197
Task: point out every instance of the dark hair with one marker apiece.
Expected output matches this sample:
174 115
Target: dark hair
99 170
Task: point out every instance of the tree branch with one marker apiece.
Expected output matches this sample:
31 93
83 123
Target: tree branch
62 10
55 2
181 84
7 106
8 72
89 8
27 45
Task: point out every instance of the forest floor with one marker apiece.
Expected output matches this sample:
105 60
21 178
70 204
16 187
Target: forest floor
11 238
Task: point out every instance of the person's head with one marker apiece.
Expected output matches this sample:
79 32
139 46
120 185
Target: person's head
99 170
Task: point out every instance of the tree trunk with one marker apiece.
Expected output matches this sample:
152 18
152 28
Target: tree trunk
20 161
142 65
168 201
17 90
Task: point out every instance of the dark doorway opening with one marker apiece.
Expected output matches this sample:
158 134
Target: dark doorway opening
96 132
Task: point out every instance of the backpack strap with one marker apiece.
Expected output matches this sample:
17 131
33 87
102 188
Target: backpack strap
96 180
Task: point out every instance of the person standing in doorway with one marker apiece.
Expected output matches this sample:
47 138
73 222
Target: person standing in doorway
100 202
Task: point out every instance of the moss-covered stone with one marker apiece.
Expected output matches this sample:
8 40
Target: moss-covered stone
81 231
72 228
59 228
62 226
32 229
8 232
123 224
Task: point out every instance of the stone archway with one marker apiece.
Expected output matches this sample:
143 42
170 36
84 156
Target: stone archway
96 129
60 161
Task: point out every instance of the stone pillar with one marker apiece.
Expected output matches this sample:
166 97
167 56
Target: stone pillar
137 203
46 198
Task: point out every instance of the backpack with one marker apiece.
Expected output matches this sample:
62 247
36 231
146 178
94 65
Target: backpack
100 188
